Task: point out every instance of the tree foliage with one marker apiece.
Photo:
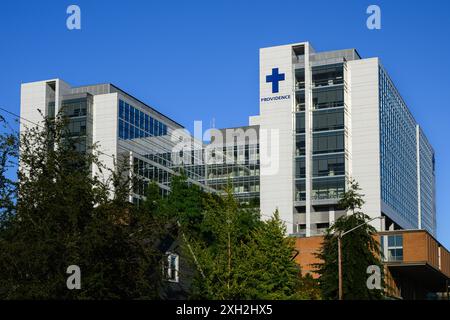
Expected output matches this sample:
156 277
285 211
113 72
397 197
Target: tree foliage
360 249
64 215
243 257
9 148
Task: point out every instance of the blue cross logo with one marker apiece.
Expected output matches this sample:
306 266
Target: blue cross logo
275 77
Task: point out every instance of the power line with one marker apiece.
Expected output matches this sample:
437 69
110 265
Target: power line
81 142
113 157
148 144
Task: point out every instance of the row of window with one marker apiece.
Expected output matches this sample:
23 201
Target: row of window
330 165
328 98
79 124
146 170
326 75
323 98
224 172
243 187
328 142
323 120
427 184
397 152
75 107
323 166
77 127
134 123
328 188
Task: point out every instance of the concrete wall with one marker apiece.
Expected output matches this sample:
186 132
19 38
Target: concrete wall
276 136
364 137
32 97
105 131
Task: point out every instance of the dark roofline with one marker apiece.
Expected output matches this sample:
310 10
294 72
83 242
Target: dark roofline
357 53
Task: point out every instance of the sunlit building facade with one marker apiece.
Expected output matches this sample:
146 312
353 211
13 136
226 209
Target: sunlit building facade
325 117
338 116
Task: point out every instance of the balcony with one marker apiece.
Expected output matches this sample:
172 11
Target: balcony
300 107
328 82
300 85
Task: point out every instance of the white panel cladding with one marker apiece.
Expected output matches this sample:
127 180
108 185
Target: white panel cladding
308 139
276 136
32 99
253 120
365 132
105 110
62 88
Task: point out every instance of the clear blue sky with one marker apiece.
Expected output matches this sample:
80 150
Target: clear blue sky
198 60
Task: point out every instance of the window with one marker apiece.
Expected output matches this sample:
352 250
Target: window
136 117
300 147
131 115
332 165
121 109
146 122
152 126
126 133
328 120
328 188
75 107
77 127
136 132
327 75
328 98
138 124
328 142
392 247
300 191
121 134
156 127
300 123
127 112
300 101
171 267
300 79
300 168
141 120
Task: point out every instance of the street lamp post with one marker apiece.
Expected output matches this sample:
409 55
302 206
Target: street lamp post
340 235
340 266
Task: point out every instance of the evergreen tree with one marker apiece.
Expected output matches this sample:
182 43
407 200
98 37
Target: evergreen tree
244 257
9 147
272 272
65 216
185 203
359 250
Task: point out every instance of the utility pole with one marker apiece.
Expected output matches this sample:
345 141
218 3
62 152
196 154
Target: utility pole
340 265
340 235
229 249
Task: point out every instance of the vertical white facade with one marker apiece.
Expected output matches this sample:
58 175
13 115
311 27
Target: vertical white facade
364 136
377 122
34 99
105 128
276 134
324 117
